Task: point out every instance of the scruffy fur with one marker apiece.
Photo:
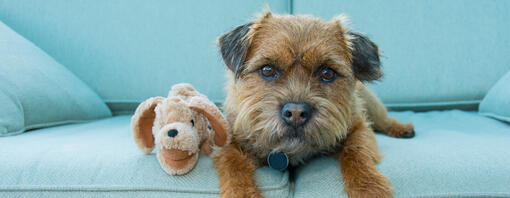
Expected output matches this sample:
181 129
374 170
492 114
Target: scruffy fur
298 47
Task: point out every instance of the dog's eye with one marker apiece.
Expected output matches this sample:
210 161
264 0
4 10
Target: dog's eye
192 122
268 72
327 75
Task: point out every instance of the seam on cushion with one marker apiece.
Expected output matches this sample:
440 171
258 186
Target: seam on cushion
432 104
388 104
121 188
283 185
496 116
406 106
462 194
45 125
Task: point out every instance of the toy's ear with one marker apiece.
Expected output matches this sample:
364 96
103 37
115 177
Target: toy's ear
142 122
365 57
212 113
183 90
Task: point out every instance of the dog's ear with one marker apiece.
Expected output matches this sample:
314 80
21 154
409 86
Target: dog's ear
234 47
364 53
365 57
142 122
220 126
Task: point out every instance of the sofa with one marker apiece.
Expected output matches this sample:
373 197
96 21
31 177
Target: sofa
73 72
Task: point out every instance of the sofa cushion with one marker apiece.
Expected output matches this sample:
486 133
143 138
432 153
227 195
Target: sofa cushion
154 44
36 91
454 154
100 158
496 103
435 53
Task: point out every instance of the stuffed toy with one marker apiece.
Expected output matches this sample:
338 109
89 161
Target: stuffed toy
181 126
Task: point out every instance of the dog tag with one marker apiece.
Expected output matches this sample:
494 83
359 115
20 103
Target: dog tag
278 160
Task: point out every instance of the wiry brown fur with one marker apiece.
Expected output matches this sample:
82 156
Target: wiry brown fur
299 46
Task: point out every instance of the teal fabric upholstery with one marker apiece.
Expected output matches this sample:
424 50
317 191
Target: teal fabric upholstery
434 52
130 50
36 91
418 39
496 103
454 154
100 159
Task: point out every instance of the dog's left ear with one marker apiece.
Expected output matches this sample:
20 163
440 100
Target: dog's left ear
365 58
364 53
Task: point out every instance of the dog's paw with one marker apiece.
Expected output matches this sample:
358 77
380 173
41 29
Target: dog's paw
376 185
400 130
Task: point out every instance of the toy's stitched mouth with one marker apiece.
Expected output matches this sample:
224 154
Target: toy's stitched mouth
176 158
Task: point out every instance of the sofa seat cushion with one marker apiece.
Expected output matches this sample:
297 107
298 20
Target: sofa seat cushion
454 154
100 158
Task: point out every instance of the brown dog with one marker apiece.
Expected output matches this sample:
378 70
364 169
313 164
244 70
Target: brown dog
296 90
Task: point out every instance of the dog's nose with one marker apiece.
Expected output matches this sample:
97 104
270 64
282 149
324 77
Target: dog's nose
296 114
172 132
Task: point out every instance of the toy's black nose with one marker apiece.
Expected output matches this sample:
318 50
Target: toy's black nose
296 114
172 132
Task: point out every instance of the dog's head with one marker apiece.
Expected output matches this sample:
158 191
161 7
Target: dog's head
292 82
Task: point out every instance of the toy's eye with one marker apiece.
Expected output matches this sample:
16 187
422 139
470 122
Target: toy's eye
268 72
192 122
327 75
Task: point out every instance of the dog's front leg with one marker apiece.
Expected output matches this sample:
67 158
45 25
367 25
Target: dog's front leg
358 158
236 173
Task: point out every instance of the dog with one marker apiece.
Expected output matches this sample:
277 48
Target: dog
296 90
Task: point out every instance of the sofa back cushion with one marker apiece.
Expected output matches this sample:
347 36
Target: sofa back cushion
36 91
496 103
435 52
131 50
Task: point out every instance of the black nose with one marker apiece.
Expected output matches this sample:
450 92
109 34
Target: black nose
296 114
172 132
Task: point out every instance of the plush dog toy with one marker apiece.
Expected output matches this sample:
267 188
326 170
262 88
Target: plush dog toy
180 125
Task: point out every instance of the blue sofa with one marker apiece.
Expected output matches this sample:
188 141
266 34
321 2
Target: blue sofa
72 73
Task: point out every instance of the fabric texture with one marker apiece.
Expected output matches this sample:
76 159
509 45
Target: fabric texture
496 103
36 91
146 46
100 158
454 154
433 51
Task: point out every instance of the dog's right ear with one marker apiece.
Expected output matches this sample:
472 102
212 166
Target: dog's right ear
142 122
234 47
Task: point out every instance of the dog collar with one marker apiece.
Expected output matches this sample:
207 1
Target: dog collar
278 160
